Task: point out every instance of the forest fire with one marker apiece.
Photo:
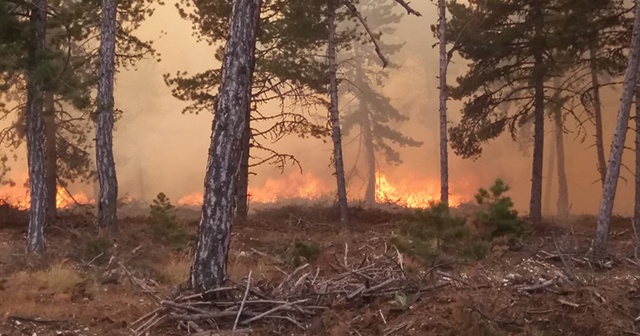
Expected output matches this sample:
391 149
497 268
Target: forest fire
19 197
412 193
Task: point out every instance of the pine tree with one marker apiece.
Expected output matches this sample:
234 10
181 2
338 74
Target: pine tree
374 111
70 82
107 203
35 131
617 145
209 268
514 48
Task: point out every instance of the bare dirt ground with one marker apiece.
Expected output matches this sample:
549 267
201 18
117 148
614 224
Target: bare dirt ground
541 285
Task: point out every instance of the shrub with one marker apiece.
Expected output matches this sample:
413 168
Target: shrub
499 218
432 231
164 225
301 252
96 250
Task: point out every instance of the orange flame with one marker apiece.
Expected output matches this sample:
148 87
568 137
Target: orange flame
410 192
19 197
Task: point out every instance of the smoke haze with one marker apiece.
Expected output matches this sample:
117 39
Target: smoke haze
159 149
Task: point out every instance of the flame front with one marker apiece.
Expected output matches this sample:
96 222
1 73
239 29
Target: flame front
409 192
412 193
20 198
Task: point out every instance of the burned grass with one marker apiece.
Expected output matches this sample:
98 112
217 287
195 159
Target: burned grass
544 284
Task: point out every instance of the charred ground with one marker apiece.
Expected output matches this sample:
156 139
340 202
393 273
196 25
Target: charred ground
539 284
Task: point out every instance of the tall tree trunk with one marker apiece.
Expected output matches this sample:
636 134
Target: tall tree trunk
51 154
636 208
335 116
535 206
548 187
35 130
617 145
367 134
597 110
209 268
107 203
563 187
242 196
444 157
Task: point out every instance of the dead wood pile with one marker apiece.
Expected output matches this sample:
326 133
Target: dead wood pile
303 294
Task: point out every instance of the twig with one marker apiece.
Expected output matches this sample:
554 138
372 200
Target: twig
406 6
352 8
398 327
568 303
538 286
270 311
244 299
34 319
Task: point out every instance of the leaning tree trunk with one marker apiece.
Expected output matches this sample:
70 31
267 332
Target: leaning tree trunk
209 267
563 187
597 113
617 145
535 206
35 130
107 203
636 208
444 157
51 164
242 194
335 116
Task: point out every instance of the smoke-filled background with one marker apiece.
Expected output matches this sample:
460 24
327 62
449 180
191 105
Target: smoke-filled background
160 149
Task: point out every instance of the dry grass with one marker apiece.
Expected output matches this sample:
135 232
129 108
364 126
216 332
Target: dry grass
262 267
176 270
59 278
40 293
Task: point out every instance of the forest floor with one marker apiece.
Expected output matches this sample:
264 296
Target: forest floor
543 285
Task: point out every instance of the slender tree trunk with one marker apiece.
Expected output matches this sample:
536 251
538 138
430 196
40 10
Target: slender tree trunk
563 187
35 130
636 208
535 207
617 145
209 268
242 197
51 164
551 169
107 203
597 110
444 157
367 134
335 116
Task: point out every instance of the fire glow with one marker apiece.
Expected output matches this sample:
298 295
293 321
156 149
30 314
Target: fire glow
20 198
410 192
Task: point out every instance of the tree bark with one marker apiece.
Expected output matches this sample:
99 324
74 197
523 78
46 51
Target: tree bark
51 165
209 268
597 113
636 208
107 203
367 134
242 196
563 187
535 206
444 157
35 130
551 169
335 116
617 145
